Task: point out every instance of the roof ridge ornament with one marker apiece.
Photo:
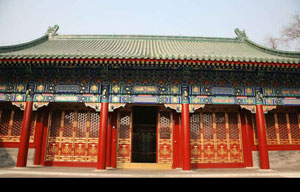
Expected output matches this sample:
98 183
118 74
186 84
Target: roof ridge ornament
52 31
241 35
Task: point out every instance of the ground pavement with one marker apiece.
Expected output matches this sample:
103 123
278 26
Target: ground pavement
77 172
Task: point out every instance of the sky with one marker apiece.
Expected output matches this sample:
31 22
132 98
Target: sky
25 20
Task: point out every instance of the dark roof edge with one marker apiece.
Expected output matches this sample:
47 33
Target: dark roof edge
4 49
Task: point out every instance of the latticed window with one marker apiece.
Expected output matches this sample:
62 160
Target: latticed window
294 125
220 125
78 132
94 129
125 124
195 125
55 123
82 124
233 126
165 125
215 137
17 122
270 126
208 125
282 124
11 119
282 128
4 123
69 118
74 122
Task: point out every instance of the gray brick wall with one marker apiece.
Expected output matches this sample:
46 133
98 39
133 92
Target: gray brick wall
280 159
8 157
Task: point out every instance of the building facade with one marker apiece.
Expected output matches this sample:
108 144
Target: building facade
128 101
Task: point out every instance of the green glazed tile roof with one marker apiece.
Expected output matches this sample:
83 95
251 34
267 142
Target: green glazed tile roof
240 48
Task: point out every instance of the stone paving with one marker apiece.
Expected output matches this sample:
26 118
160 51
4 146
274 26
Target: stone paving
77 172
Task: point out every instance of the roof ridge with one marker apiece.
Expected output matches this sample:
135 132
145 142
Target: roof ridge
142 37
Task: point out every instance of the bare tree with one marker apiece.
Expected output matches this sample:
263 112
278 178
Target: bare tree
290 34
292 31
272 41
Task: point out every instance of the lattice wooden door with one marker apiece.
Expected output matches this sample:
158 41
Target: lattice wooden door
216 137
164 137
282 128
11 124
73 136
124 144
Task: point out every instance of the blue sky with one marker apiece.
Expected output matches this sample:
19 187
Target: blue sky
22 21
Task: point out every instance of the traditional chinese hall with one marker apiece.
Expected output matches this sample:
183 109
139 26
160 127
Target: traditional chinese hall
155 102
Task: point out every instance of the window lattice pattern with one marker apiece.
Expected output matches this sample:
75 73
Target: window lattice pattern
78 137
165 123
219 141
282 124
233 126
208 125
125 124
17 124
281 128
94 129
4 123
195 125
11 125
220 125
55 123
82 126
270 126
68 123
294 124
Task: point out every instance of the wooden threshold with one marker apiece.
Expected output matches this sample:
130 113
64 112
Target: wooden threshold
144 165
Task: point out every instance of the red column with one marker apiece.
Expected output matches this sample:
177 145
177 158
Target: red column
176 141
246 139
114 140
25 134
38 137
108 147
185 118
102 136
249 136
44 138
262 137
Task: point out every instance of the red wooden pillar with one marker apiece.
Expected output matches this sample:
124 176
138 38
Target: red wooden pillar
176 142
262 137
102 136
248 132
25 134
109 137
114 140
39 138
246 139
44 137
185 118
103 130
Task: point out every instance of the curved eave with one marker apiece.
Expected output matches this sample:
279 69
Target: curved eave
173 58
18 47
290 54
92 62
